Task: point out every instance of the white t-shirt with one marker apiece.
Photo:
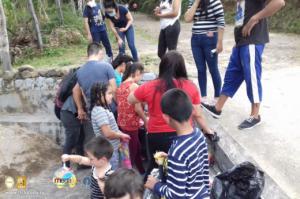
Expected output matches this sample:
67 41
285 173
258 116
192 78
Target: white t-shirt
166 7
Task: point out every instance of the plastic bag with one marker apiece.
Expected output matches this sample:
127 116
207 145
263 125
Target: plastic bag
124 156
64 177
148 194
244 181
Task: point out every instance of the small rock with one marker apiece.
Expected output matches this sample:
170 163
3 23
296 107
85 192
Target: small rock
8 75
26 68
29 74
42 72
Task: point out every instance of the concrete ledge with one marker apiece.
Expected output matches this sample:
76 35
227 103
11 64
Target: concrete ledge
39 123
228 152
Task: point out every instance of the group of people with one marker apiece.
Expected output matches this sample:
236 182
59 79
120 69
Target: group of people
107 106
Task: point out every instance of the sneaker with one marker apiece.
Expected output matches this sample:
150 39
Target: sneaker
212 110
212 137
249 123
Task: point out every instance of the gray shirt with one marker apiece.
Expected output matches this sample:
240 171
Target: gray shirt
69 105
92 72
100 117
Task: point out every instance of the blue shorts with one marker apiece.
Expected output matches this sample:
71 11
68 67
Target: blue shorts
245 64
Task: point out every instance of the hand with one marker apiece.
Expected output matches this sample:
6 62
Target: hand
120 42
248 27
156 10
65 157
151 181
219 47
124 137
90 38
123 29
81 115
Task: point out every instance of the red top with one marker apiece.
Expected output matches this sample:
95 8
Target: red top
147 93
128 119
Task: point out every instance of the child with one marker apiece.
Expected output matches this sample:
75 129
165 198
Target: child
103 120
99 152
119 65
188 170
125 184
129 115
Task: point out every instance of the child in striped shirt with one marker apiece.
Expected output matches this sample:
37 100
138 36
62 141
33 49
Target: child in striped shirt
99 151
188 169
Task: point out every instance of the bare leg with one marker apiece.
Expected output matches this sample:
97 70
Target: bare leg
221 102
255 110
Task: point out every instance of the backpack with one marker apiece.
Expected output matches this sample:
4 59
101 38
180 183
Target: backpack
64 90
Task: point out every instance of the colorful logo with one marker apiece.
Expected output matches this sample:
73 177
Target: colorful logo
9 182
21 182
64 178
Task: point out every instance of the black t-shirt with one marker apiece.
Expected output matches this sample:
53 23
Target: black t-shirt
245 10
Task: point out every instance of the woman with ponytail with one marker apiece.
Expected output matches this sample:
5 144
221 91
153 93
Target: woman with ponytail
207 41
103 121
172 74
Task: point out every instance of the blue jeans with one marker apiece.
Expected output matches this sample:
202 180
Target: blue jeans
103 37
201 48
129 34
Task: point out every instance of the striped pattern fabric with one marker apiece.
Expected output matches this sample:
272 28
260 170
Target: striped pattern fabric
188 169
96 192
210 21
101 116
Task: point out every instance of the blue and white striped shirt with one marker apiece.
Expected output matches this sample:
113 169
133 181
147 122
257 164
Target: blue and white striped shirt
188 169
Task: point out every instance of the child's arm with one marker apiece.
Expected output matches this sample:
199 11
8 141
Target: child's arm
110 134
76 158
176 181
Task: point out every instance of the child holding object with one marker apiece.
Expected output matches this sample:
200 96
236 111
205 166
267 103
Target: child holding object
188 169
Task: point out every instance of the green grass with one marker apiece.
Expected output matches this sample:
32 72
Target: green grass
55 57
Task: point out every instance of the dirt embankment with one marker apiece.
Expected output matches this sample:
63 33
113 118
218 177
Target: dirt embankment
25 153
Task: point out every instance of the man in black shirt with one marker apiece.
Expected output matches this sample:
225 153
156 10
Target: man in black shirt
251 35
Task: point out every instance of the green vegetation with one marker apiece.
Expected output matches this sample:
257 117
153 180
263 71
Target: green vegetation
287 20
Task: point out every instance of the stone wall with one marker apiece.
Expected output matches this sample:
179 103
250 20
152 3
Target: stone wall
29 90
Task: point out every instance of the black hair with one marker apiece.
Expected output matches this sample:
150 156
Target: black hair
122 182
203 5
100 147
176 104
110 4
172 66
121 58
93 48
131 70
98 91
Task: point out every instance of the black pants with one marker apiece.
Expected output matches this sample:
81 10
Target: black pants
157 142
168 38
76 133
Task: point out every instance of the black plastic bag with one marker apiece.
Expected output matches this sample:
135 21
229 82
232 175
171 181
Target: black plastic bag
244 181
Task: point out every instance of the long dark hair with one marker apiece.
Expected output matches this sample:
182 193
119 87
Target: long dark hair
131 70
110 4
172 66
203 6
98 91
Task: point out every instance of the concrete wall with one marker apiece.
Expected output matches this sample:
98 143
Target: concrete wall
27 95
